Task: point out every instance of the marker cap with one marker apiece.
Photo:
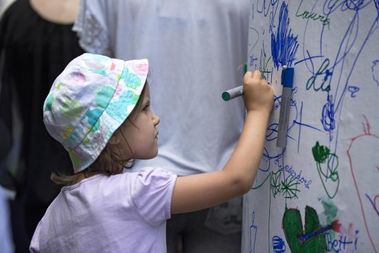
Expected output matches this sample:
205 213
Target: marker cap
226 96
287 77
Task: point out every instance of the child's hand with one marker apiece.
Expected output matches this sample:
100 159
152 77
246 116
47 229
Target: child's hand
258 95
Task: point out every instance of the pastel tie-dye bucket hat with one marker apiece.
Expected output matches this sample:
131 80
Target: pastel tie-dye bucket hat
89 101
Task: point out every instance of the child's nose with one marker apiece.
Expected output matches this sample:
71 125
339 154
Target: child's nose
156 119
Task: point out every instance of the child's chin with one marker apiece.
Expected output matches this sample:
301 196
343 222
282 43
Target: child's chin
154 154
151 155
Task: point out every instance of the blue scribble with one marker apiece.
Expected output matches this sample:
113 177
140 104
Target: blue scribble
278 245
313 81
353 90
308 58
252 60
377 6
327 118
300 123
372 202
265 7
283 43
375 71
253 232
331 6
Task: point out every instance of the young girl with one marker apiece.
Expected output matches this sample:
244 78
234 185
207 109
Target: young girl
99 109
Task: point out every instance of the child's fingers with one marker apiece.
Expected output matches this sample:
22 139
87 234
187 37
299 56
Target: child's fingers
252 77
257 75
264 82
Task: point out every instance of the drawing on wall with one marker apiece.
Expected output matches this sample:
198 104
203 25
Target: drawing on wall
320 193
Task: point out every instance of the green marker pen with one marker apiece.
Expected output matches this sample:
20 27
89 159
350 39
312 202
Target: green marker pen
232 93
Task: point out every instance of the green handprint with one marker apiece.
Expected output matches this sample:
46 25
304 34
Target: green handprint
293 230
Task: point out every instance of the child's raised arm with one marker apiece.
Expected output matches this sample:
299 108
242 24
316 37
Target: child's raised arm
201 191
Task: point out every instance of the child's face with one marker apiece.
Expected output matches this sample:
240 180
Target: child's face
140 130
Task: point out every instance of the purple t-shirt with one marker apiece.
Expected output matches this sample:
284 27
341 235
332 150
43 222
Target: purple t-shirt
119 213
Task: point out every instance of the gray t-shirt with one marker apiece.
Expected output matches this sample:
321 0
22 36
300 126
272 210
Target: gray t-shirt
196 50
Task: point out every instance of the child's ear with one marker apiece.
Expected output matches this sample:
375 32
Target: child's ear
114 139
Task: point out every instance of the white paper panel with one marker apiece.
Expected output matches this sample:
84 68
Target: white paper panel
333 46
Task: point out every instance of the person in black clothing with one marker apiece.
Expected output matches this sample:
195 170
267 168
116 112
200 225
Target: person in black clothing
36 43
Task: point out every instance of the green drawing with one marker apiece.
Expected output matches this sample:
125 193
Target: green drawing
289 187
320 153
286 187
293 229
275 182
264 69
330 210
328 173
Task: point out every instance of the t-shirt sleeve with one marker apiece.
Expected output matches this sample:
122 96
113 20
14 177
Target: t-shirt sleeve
152 194
92 28
34 246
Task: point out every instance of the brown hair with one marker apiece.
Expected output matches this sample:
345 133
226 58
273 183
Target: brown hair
109 161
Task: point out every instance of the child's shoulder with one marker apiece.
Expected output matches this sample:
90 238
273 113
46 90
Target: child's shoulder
151 173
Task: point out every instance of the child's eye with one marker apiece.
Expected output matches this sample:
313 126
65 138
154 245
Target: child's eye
147 107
